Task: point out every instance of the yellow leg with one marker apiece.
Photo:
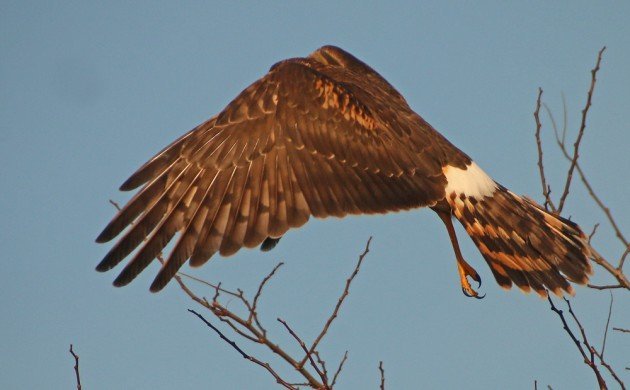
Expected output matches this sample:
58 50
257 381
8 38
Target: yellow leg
463 268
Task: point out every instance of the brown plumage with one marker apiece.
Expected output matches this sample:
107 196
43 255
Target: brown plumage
323 136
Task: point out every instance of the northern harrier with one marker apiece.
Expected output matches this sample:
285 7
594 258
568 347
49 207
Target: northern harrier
322 136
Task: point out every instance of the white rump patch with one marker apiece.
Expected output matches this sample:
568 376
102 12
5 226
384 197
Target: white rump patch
472 182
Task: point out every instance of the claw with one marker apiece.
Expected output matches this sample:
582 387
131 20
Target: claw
478 280
469 292
464 269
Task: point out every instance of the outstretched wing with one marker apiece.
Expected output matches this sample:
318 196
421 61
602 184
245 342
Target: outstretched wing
312 137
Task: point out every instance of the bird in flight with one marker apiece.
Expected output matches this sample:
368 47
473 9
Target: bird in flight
326 135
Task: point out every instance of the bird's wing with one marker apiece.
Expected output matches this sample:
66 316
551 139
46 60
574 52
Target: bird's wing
303 140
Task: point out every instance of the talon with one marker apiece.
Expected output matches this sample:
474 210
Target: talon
469 292
478 280
464 269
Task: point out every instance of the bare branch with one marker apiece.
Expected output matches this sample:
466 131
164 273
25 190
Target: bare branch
115 204
622 330
339 301
607 287
590 236
309 354
322 364
76 367
253 314
217 287
610 369
607 325
546 190
614 271
243 354
339 368
589 361
382 371
576 145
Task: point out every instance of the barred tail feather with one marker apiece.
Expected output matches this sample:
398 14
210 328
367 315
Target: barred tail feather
523 243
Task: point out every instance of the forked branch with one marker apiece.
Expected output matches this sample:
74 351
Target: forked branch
574 166
250 328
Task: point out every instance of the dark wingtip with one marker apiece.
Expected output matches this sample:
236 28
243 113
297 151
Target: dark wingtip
157 285
128 185
121 281
104 237
105 264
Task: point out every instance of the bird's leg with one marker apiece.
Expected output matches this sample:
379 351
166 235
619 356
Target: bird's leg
463 267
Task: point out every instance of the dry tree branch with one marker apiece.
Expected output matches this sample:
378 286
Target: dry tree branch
587 350
607 324
252 329
576 145
76 367
610 369
339 368
588 360
616 272
254 333
382 371
546 190
265 365
309 354
343 296
253 313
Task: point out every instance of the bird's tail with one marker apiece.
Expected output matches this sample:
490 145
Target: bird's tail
523 243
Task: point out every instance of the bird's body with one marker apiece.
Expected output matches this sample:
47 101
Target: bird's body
323 136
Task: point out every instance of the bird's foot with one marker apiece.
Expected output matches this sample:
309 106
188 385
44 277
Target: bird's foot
465 270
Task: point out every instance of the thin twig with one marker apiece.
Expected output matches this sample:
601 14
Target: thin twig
590 236
545 188
339 301
382 371
309 354
607 325
576 145
609 368
115 204
322 364
588 361
339 368
617 271
221 312
243 354
76 367
606 287
622 330
215 287
253 313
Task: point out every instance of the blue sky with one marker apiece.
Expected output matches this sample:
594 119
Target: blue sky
90 91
